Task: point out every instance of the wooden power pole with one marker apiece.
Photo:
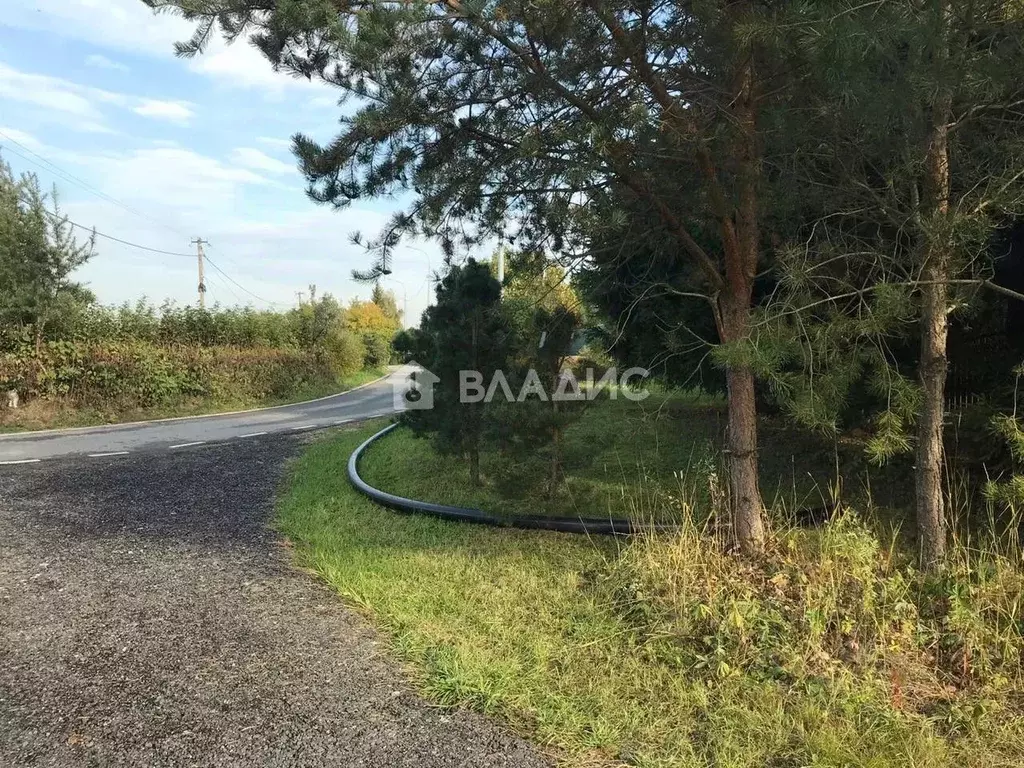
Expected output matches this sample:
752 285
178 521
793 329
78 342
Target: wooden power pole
199 243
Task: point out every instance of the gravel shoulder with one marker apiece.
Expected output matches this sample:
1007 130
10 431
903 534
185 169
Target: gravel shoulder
149 616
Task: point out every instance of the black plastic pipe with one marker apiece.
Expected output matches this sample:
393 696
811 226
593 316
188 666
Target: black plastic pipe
609 526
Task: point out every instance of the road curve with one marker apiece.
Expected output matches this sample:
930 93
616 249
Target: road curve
374 399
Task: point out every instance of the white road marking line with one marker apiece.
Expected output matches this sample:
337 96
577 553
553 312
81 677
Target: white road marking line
103 455
344 421
307 426
188 445
253 434
21 461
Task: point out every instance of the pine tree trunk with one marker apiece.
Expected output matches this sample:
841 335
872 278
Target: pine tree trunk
931 517
744 491
733 320
742 243
931 514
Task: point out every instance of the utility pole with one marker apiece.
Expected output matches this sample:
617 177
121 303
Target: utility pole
501 268
199 243
300 294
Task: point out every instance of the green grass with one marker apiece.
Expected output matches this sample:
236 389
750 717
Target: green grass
629 459
666 651
47 414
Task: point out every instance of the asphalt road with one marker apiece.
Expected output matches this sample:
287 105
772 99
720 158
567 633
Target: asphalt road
174 434
149 615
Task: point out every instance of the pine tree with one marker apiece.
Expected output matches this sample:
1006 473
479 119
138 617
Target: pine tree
38 254
913 157
519 118
463 331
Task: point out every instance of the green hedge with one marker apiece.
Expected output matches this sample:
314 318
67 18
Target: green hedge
139 373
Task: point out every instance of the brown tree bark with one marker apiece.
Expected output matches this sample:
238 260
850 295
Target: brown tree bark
935 189
931 514
741 444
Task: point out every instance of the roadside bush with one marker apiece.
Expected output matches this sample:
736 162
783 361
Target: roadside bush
142 374
345 352
378 350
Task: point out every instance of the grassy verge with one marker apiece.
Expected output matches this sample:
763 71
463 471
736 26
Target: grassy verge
632 459
56 414
828 651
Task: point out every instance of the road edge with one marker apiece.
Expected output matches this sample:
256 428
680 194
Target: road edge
116 425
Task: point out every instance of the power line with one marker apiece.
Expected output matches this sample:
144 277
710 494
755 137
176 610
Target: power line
216 279
239 285
96 232
75 180
71 178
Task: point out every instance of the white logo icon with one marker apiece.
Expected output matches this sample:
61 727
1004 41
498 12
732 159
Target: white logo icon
414 391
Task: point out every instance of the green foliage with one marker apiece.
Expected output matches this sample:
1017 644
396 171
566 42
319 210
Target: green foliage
38 253
1007 491
375 325
462 331
344 352
140 356
143 374
387 303
539 348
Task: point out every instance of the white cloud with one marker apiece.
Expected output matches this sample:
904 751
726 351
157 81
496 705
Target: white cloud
102 62
56 94
129 25
173 178
180 112
58 99
123 24
276 143
259 161
272 242
240 64
20 137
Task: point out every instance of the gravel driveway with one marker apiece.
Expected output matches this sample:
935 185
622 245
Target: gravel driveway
149 617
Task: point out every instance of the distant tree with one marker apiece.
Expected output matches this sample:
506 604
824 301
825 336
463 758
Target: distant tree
558 328
409 345
315 319
387 303
536 279
38 254
371 323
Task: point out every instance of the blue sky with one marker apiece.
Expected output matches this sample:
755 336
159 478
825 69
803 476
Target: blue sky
192 147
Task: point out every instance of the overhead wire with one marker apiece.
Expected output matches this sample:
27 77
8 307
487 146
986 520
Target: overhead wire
71 178
130 244
213 264
65 175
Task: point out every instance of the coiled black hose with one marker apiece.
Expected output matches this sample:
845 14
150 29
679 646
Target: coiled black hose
609 526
